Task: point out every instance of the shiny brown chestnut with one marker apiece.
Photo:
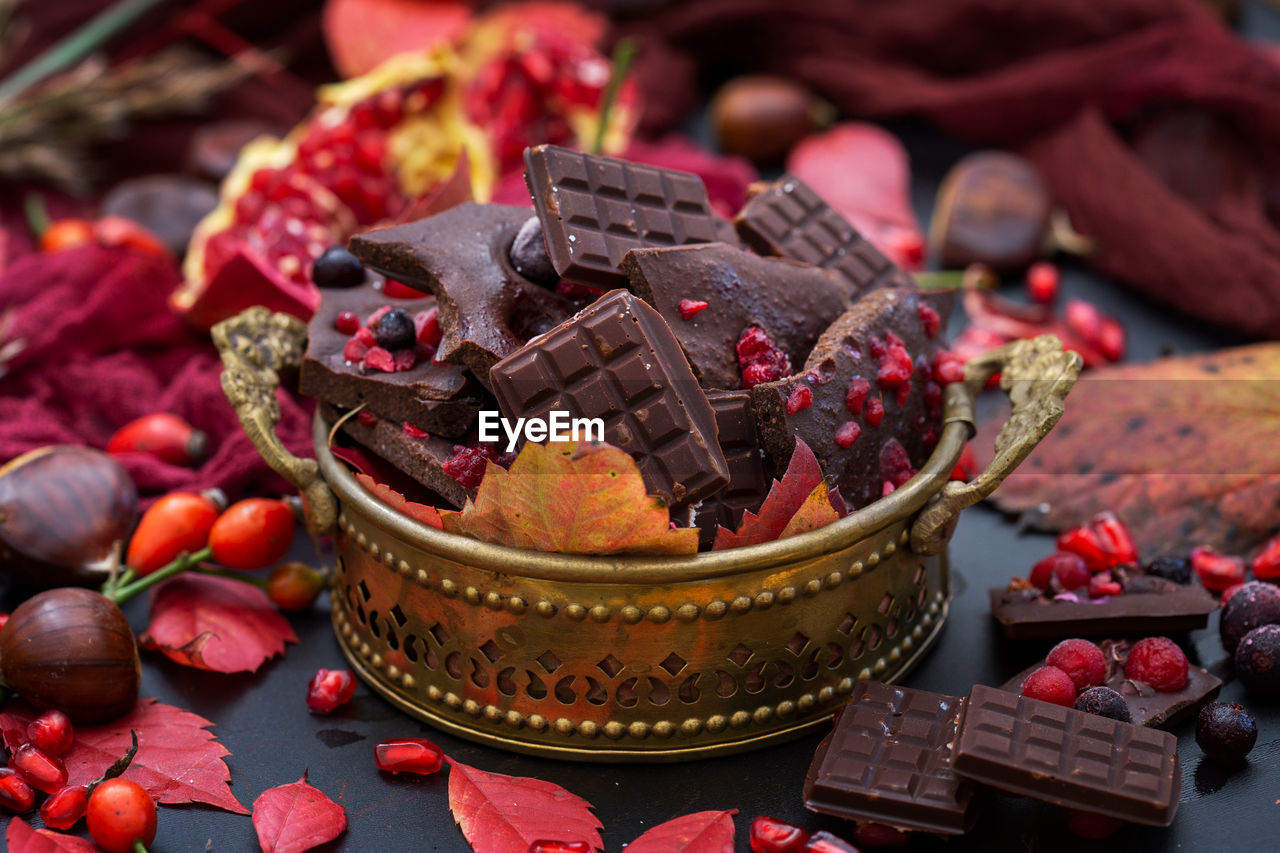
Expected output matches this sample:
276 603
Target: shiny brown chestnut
760 117
993 208
65 512
71 649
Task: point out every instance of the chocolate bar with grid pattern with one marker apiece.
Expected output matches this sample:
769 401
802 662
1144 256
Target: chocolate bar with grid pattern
1068 757
750 469
889 761
790 220
618 360
596 209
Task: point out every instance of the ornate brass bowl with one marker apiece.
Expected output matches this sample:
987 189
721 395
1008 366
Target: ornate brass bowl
639 658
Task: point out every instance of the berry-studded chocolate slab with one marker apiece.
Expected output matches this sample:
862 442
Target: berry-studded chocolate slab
889 761
462 256
1068 757
869 399
1148 605
618 361
712 293
1148 707
750 470
596 209
788 219
346 365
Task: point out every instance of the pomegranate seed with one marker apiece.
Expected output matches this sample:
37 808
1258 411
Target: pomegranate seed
1216 571
770 835
330 689
825 842
42 771
413 432
367 418
408 755
1102 584
1111 340
879 835
1266 566
895 363
15 794
875 411
801 398
378 358
1042 282
859 388
948 367
895 464
930 319
428 323
1084 541
542 845
64 807
1115 539
847 433
346 322
51 732
354 351
689 307
760 359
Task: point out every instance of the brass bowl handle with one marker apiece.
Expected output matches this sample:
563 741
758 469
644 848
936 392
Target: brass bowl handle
256 345
1037 375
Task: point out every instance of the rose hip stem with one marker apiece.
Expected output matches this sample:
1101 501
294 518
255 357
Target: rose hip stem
122 592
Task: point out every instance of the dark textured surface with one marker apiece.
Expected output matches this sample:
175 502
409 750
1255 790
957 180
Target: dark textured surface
750 469
1064 756
1182 608
617 360
596 209
889 760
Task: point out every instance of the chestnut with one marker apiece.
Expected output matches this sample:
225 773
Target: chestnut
760 117
71 649
993 208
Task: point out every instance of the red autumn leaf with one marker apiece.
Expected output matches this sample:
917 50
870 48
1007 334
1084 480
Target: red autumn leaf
815 512
178 760
389 496
296 817
505 814
361 34
785 498
570 498
216 624
863 172
21 838
1182 449
700 832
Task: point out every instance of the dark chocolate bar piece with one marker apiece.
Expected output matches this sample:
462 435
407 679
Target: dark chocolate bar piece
618 361
1068 757
792 303
1148 707
889 761
462 256
788 219
866 424
438 398
1027 615
596 209
750 469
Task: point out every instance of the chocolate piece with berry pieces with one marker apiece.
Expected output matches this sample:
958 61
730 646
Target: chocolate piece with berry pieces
869 399
750 469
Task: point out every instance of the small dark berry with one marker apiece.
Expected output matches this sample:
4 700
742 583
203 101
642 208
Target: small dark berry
1258 660
337 268
1254 604
396 330
1176 569
1226 731
1104 702
529 254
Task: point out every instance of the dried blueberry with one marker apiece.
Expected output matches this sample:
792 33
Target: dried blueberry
1176 569
529 254
1104 702
1254 604
337 268
1226 731
396 330
1258 660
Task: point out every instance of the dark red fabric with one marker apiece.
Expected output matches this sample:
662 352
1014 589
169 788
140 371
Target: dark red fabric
92 344
1062 80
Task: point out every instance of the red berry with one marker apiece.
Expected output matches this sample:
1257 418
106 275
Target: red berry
847 433
760 359
15 794
428 323
770 835
542 845
1103 584
413 432
408 755
354 351
64 807
367 417
1084 319
1050 684
330 689
948 368
1085 542
378 358
1081 660
859 388
801 397
1042 282
929 318
121 813
366 337
252 534
346 322
689 307
895 366
162 435
397 290
51 732
1159 662
294 585
1092 826
1266 566
1068 567
180 522
824 842
875 411
1216 571
1111 340
1115 539
879 835
42 771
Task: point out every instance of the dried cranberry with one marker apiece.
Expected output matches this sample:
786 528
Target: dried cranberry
64 807
1253 604
367 418
330 689
467 464
413 432
760 359
1081 660
930 319
874 411
770 835
854 398
1084 542
428 325
393 289
1159 662
354 351
800 398
404 360
1050 684
408 755
366 337
42 771
346 322
1104 702
51 732
1226 731
895 365
395 330
847 433
378 358
948 367
337 268
1115 538
1216 571
895 465
688 308
1104 584
1266 566
1042 282
15 794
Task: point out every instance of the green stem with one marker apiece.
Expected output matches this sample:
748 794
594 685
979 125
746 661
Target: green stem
75 46
37 214
139 847
261 583
123 592
623 53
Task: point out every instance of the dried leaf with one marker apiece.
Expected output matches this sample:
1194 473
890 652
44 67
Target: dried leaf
178 760
361 34
570 498
389 496
784 500
815 512
21 838
1183 449
700 832
505 814
296 817
216 624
